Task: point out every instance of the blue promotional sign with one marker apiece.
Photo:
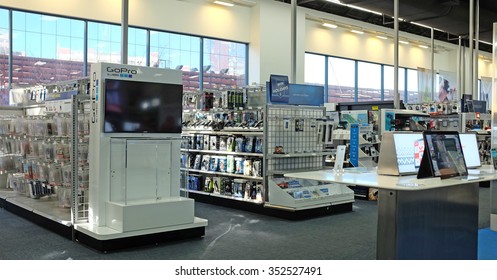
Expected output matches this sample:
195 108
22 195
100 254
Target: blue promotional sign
354 144
280 90
306 95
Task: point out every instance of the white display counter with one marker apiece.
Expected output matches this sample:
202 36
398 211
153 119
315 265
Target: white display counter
419 218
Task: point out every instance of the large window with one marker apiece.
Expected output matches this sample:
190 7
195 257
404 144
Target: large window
224 64
368 81
4 57
388 83
352 80
341 80
46 49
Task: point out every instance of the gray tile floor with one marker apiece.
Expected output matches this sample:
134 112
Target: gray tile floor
231 235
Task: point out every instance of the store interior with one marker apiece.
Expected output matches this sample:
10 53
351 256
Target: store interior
276 145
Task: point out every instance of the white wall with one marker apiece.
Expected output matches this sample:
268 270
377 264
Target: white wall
196 17
266 26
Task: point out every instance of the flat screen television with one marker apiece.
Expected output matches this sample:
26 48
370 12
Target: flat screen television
142 107
443 156
470 149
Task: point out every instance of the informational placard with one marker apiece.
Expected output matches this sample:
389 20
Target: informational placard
279 89
339 158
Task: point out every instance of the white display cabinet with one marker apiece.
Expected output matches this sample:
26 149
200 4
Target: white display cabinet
135 140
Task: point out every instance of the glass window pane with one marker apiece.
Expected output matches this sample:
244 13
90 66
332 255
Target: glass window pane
33 44
4 52
43 49
341 80
137 50
368 81
103 47
64 27
388 82
18 21
48 25
33 22
177 52
314 69
222 66
48 46
412 87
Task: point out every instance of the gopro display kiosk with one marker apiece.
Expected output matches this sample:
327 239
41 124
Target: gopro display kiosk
135 137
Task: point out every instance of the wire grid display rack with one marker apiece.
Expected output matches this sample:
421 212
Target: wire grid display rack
79 161
292 136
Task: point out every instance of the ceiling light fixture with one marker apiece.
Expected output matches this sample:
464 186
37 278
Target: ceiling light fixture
357 31
423 46
329 25
381 37
404 42
364 10
224 3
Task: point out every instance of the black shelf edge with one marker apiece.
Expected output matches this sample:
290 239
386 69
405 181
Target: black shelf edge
138 241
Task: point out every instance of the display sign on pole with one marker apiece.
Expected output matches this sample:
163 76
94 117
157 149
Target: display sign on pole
279 89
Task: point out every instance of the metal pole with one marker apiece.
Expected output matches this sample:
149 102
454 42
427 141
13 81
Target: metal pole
493 139
124 31
396 98
85 50
433 76
293 47
11 50
459 68
476 94
471 37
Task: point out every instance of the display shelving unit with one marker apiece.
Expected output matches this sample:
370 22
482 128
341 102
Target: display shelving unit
49 185
301 150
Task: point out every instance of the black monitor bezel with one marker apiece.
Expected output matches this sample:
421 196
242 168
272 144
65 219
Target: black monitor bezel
426 169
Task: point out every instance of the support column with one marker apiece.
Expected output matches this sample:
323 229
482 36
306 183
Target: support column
471 38
293 76
124 31
396 98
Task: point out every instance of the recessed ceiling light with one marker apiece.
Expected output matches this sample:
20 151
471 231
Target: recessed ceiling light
329 25
224 3
404 42
357 31
423 46
381 37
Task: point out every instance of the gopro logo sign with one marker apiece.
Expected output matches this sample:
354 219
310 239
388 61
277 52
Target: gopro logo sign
122 72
